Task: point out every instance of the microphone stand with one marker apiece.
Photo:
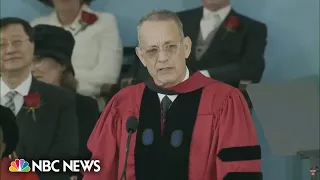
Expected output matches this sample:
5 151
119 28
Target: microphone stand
124 172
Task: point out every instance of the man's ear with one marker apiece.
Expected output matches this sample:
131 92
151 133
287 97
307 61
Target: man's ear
139 54
32 47
187 46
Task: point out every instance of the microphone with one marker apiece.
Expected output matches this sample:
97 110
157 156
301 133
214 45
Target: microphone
131 126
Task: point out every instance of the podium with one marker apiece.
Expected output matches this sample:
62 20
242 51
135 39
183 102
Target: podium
289 115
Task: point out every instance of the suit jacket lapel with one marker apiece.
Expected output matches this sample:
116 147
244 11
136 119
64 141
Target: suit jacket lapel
33 89
193 30
76 26
26 121
34 86
22 111
73 28
218 37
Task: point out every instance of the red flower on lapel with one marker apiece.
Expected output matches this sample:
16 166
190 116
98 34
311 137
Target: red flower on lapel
87 18
231 25
33 102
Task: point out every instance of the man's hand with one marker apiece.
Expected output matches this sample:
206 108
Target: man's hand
13 156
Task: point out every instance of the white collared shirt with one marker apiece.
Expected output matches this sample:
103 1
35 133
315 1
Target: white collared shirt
222 13
173 97
22 90
211 20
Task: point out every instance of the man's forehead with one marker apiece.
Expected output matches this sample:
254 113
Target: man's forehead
157 41
153 33
12 30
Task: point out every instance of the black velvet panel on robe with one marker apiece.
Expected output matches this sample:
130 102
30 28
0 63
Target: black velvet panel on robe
165 157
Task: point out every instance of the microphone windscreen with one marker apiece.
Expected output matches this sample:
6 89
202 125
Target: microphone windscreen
132 124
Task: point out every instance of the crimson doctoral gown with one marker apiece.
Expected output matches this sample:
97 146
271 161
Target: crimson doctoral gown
209 135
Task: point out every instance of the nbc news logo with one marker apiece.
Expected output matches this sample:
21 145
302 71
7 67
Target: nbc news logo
20 165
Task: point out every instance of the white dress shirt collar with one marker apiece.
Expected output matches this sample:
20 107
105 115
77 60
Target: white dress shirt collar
22 89
222 13
173 97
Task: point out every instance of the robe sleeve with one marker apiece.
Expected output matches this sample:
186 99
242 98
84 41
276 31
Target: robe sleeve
238 151
103 144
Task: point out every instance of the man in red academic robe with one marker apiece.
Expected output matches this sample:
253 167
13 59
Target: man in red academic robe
190 127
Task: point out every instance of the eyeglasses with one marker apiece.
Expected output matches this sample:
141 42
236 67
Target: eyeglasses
16 44
169 50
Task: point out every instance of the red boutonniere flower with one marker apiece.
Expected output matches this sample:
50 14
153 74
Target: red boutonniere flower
32 102
232 24
87 18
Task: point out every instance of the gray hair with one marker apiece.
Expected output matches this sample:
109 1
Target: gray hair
162 15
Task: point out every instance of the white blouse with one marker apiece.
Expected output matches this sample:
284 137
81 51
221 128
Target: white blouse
97 55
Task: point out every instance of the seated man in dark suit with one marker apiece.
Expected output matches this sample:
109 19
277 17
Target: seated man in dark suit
52 64
227 45
9 136
46 114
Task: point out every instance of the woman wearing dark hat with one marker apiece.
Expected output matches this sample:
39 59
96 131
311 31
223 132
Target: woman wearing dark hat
9 134
52 64
97 56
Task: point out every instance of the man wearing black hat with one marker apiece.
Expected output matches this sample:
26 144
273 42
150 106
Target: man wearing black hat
53 51
46 114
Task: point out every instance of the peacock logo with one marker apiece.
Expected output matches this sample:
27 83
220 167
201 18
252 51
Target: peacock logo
19 165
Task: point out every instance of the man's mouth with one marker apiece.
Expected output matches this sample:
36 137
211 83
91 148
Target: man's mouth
11 59
165 69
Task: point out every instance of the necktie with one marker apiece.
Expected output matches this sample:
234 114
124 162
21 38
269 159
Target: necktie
209 24
10 103
165 105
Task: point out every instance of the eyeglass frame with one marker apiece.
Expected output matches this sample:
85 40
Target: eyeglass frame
161 48
16 44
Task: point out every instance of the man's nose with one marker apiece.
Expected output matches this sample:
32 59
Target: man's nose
162 57
10 49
